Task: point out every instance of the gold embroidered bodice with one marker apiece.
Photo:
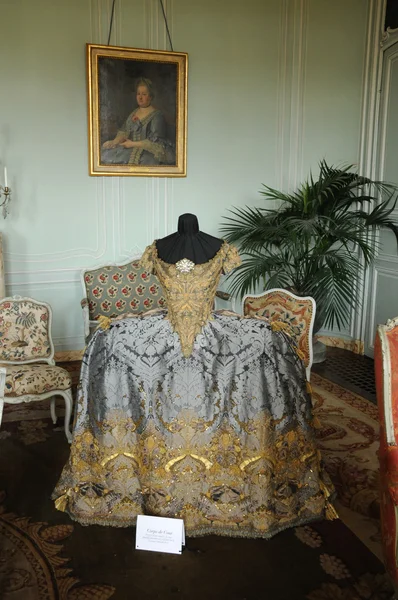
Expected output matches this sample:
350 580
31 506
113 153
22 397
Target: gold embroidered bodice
190 289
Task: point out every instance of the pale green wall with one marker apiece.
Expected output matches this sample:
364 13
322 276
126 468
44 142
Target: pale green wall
274 85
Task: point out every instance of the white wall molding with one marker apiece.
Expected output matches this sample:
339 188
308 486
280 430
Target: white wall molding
100 206
368 136
282 100
113 218
294 18
69 343
371 324
381 58
57 256
297 125
389 38
372 302
31 284
385 257
383 120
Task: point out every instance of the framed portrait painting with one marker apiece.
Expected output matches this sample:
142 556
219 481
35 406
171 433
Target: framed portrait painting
137 105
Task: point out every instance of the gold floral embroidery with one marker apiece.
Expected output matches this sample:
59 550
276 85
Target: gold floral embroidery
190 292
177 459
227 484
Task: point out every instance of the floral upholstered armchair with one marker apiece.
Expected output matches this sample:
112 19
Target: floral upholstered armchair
386 372
113 289
27 367
295 312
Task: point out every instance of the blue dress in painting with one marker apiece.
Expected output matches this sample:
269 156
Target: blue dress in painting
152 131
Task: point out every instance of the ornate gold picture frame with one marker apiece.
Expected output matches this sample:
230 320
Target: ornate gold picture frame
137 111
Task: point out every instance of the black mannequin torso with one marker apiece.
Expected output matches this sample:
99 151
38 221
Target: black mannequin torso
188 242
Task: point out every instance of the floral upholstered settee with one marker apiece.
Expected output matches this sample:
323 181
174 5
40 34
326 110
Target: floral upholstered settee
114 289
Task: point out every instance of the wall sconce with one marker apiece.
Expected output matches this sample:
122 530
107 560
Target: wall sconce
5 195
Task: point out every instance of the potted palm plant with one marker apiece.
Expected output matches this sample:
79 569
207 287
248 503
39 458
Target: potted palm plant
316 242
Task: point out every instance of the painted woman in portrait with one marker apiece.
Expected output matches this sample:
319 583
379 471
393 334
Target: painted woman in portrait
142 139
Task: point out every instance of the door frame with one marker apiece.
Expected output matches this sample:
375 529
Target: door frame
378 41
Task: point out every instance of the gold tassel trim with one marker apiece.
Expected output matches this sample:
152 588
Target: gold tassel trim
330 512
280 326
324 489
287 328
61 503
104 322
305 457
316 423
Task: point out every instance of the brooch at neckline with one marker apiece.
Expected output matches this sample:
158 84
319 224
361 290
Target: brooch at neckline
185 265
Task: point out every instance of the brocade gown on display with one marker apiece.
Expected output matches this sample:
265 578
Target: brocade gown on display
194 414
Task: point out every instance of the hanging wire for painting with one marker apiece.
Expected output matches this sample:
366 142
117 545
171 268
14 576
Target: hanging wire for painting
110 26
167 26
165 22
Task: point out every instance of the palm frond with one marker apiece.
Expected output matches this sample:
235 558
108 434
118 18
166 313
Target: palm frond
318 239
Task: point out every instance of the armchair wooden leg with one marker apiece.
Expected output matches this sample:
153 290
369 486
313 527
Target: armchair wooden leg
67 395
52 409
1 409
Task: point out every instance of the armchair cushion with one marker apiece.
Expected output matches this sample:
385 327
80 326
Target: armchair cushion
113 290
35 379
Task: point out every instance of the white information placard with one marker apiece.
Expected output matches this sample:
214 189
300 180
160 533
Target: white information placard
160 534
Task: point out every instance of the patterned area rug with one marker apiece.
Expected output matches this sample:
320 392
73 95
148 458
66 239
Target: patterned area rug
43 555
31 567
348 440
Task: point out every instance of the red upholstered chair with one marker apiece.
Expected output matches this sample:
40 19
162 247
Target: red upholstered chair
386 371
